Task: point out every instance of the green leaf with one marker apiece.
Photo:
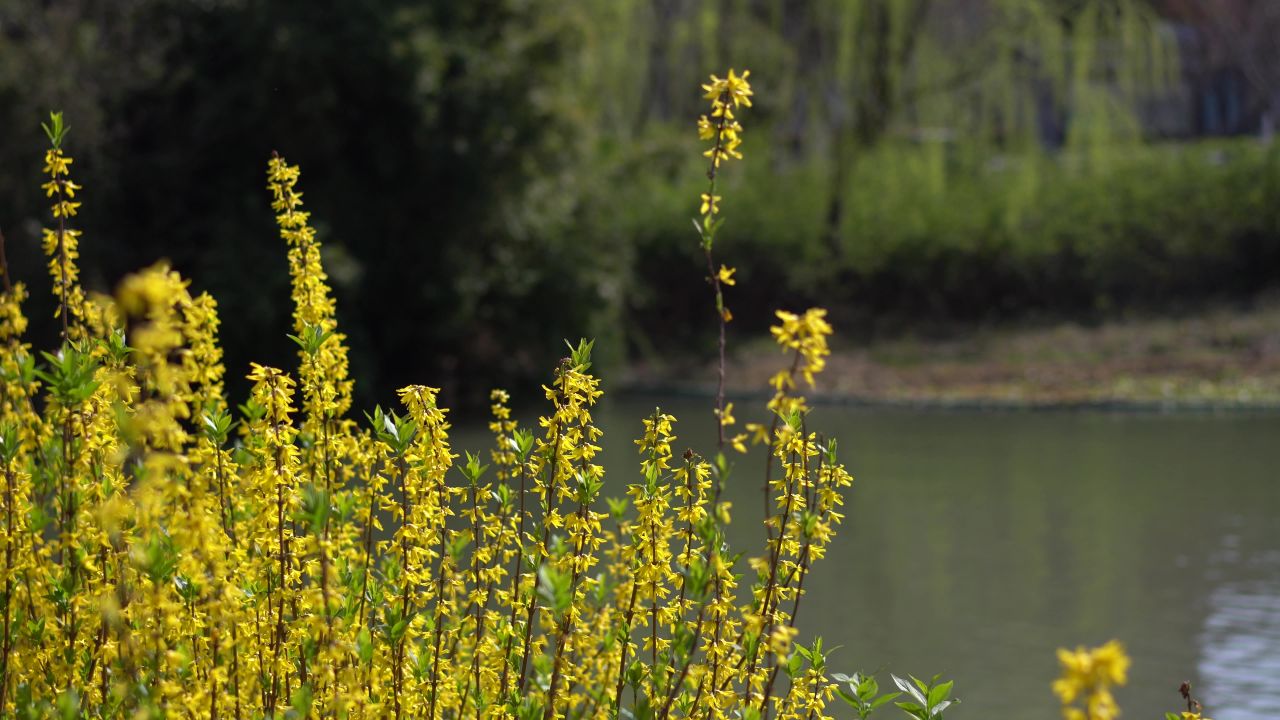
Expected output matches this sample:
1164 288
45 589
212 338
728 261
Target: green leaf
849 699
909 689
938 693
913 709
887 697
581 355
301 700
56 131
9 442
794 664
69 705
472 470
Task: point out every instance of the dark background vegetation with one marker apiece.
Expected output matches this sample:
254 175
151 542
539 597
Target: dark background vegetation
492 176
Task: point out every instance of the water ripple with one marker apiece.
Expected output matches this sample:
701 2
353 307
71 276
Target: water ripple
1240 651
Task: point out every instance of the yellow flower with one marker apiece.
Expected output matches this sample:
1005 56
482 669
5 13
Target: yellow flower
806 334
738 88
706 130
1111 662
726 416
735 88
780 640
55 163
710 204
1089 675
726 275
724 94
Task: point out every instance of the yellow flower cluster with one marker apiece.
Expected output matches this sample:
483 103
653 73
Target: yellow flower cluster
61 244
1087 678
324 372
163 555
160 556
807 335
725 94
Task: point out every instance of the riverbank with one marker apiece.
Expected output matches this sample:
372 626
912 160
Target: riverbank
1222 358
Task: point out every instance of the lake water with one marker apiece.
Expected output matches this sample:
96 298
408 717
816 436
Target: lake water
977 543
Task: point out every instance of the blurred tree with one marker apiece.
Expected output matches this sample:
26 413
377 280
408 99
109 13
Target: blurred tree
434 140
491 176
886 92
981 73
77 55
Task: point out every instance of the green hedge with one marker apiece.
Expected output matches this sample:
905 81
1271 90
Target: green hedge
937 234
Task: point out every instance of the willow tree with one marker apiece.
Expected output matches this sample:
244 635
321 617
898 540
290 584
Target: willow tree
983 76
840 79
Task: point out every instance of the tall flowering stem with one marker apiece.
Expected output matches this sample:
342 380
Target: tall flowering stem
724 132
61 244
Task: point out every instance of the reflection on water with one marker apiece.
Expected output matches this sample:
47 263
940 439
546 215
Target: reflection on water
975 544
1240 646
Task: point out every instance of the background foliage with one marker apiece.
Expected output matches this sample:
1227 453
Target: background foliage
921 163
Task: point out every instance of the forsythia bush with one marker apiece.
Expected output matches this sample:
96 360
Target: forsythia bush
165 555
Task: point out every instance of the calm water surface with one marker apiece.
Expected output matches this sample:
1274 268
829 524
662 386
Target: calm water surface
976 544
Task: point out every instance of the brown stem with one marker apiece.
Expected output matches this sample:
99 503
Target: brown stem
406 508
715 641
8 585
684 584
4 267
235 665
803 572
439 616
324 542
62 260
626 643
715 281
277 640
213 681
768 458
480 603
368 548
549 493
515 585
684 669
566 625
653 611
719 295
